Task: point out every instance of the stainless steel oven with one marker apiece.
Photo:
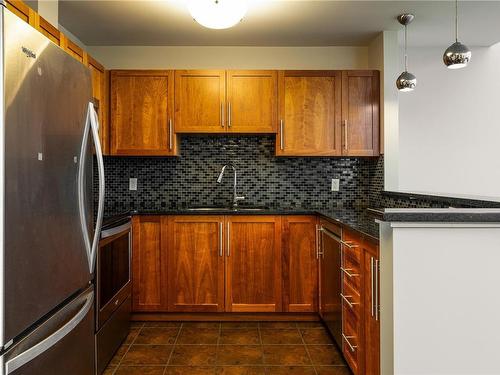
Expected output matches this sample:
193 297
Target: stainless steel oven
113 302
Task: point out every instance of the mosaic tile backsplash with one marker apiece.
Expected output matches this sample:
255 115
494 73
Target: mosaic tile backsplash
190 180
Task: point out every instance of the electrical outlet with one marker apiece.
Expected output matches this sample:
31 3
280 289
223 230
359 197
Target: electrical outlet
132 184
335 184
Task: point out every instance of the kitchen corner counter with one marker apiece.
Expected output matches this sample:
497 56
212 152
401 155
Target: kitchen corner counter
357 219
439 215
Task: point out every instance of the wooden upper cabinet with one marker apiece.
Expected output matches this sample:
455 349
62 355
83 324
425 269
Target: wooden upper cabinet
309 113
252 101
141 113
196 264
300 264
200 101
253 264
149 264
360 113
100 94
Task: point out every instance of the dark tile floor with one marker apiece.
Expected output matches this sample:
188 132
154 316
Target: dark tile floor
228 348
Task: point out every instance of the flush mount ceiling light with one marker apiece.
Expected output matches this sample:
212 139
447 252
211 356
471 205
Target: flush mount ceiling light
457 55
406 81
217 14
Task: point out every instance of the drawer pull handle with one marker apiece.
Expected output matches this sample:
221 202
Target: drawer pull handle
349 245
346 339
347 271
346 299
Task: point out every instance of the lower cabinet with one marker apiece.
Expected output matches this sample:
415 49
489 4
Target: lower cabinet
360 300
253 264
149 264
372 308
195 263
300 263
208 263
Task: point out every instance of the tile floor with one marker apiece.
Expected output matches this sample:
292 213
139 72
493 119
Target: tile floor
228 348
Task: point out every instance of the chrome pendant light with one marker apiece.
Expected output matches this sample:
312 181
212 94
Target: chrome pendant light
406 81
457 55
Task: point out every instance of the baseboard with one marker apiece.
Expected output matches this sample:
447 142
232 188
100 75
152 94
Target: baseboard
299 317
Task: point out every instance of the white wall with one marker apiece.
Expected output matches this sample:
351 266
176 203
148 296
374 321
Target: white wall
183 57
445 299
449 141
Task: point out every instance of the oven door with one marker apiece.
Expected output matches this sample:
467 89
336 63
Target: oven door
113 271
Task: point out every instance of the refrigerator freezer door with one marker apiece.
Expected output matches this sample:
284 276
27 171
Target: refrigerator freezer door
64 344
46 96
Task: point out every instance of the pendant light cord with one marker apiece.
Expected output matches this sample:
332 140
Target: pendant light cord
406 48
456 20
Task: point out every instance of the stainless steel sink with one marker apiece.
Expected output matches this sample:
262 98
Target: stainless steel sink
228 209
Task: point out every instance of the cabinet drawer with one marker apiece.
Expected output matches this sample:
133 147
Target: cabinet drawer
351 299
351 272
352 247
351 340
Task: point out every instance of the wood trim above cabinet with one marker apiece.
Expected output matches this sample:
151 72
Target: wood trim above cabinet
73 49
360 113
50 31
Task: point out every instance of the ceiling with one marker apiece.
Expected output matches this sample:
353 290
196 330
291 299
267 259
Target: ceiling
279 23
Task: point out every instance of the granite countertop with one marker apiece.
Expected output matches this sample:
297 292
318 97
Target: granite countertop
357 219
443 215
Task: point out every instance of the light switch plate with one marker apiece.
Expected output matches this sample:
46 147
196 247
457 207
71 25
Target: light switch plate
335 184
132 185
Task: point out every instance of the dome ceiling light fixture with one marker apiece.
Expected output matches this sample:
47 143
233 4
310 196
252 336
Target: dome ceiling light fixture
406 81
217 14
457 55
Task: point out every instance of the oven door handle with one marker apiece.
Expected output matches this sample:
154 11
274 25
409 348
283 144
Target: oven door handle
116 230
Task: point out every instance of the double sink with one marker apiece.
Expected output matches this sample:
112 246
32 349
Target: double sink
228 209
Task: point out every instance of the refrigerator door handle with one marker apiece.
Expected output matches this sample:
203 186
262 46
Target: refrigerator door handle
92 126
94 123
33 352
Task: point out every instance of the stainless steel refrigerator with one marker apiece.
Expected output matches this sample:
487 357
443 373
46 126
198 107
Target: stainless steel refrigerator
48 233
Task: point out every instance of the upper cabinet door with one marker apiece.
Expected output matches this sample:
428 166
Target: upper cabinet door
310 113
360 113
200 101
100 94
196 264
252 101
253 264
141 113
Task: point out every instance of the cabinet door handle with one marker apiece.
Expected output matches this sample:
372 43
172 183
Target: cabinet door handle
376 289
372 286
317 241
229 114
282 136
345 135
222 114
347 271
346 299
346 339
221 240
170 134
228 239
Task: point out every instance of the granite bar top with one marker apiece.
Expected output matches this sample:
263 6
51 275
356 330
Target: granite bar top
443 215
360 220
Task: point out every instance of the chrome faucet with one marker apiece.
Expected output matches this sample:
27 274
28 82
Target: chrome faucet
236 198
